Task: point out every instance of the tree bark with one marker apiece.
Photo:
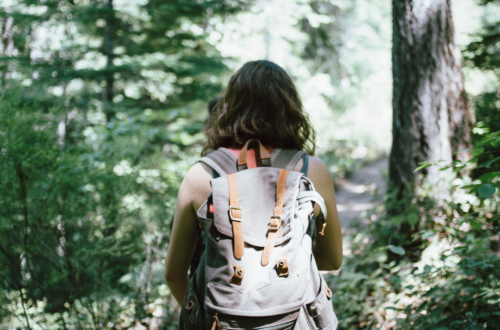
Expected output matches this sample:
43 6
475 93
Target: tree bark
109 45
431 116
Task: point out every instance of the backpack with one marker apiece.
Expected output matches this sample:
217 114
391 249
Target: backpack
257 270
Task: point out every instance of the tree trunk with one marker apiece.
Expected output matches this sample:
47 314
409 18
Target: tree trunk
109 45
431 118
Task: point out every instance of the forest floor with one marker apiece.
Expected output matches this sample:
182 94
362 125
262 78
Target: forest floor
360 193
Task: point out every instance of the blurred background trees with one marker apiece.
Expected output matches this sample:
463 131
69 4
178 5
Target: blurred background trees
99 106
102 104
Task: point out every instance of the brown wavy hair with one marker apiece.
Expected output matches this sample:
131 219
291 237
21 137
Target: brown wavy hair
260 102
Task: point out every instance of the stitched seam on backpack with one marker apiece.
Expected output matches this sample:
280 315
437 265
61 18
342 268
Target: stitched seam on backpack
263 287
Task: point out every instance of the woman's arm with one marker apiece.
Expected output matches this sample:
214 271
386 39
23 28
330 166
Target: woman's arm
328 248
192 192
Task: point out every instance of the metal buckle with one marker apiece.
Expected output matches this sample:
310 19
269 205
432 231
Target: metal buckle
231 213
279 225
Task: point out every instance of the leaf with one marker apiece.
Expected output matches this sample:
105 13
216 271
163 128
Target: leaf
488 176
477 151
397 249
456 322
470 186
423 165
412 218
486 190
427 234
397 220
459 151
488 163
475 224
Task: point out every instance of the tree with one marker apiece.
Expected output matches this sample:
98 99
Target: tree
109 97
431 117
325 45
484 53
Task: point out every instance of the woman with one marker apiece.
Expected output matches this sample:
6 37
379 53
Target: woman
260 102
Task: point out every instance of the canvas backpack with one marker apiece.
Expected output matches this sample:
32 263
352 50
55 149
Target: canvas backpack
257 270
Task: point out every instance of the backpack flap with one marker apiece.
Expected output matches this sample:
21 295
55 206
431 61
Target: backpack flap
256 200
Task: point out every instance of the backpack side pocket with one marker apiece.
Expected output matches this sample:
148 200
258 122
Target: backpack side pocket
192 314
320 312
285 321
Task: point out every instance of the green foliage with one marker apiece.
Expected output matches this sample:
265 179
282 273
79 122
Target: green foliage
446 277
72 223
101 105
434 265
484 53
344 157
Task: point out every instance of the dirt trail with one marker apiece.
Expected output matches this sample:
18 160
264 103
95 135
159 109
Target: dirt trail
357 194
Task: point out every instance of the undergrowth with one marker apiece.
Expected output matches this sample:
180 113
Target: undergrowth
445 274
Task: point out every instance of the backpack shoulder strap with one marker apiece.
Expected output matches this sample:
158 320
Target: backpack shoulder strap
288 159
221 161
313 196
274 154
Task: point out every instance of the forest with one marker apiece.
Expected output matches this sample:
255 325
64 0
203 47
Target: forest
102 106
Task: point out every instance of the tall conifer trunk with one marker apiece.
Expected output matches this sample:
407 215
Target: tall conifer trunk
431 118
109 45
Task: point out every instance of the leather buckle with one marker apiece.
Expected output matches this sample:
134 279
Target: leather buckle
271 227
231 208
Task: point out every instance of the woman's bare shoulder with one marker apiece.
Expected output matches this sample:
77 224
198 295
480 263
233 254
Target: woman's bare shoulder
318 171
198 171
316 166
317 162
196 184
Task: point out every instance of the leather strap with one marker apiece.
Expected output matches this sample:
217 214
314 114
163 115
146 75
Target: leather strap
216 324
262 158
282 266
275 224
238 275
322 232
280 191
235 216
